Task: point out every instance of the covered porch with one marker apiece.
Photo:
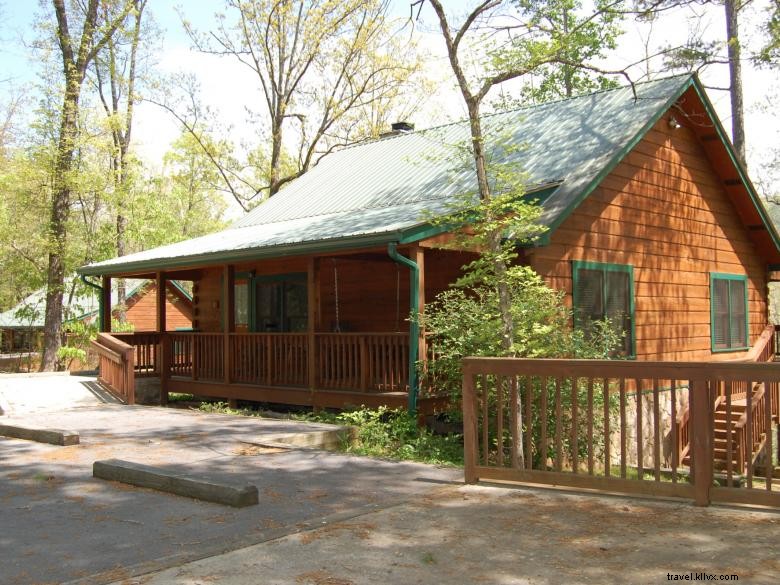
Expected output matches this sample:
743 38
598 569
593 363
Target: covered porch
321 330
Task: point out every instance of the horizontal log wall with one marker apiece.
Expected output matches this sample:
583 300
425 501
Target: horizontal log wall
665 211
373 292
142 311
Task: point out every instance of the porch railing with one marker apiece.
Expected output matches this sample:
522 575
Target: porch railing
375 362
147 348
604 425
361 362
270 359
738 442
117 361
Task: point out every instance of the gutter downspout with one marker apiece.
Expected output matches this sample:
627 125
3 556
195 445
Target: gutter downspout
100 298
414 327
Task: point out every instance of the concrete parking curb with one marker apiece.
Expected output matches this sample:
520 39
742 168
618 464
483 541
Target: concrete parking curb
51 436
174 483
328 440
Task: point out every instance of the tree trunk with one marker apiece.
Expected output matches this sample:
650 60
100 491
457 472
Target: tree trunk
735 74
568 74
276 156
494 243
57 236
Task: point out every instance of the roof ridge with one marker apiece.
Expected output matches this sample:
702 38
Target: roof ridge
510 111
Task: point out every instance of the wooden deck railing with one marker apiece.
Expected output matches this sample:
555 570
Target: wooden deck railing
763 351
375 362
362 362
601 424
117 366
147 348
271 359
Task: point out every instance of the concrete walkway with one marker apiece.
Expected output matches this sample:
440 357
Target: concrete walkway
21 394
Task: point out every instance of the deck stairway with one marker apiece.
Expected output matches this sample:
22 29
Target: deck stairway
733 433
739 433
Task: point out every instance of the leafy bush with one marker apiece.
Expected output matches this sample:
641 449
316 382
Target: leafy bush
383 432
395 434
465 321
78 336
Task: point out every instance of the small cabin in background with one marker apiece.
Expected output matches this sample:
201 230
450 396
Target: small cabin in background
21 327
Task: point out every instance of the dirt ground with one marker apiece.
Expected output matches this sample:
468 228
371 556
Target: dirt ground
500 535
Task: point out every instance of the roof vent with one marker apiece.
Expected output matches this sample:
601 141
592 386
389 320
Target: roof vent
401 127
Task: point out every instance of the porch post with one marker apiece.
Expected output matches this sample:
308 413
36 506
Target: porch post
311 302
419 258
164 346
701 440
105 306
161 326
228 321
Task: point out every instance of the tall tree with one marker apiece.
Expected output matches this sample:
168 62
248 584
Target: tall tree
585 39
317 62
115 71
526 47
702 51
734 51
77 52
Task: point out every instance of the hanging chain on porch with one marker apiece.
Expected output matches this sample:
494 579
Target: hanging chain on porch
337 328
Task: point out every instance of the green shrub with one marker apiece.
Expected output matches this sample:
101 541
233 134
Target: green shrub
394 434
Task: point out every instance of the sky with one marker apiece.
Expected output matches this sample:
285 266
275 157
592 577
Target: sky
229 88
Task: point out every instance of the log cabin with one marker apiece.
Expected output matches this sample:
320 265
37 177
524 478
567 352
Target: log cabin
651 220
21 327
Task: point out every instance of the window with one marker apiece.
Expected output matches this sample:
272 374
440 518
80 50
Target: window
280 303
605 291
728 308
241 294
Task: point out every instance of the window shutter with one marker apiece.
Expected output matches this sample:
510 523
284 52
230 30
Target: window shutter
590 305
720 313
604 291
738 331
618 304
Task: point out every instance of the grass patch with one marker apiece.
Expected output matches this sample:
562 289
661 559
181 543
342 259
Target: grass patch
381 432
180 397
394 434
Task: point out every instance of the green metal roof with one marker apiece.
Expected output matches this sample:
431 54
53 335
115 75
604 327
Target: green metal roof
380 191
79 303
82 304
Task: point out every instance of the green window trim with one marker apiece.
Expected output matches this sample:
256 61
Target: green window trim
606 267
729 278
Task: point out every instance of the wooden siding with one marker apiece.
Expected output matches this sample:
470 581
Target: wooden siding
207 301
373 290
142 310
665 211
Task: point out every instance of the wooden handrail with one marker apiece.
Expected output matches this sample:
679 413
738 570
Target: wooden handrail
762 343
112 342
102 350
117 365
763 350
540 421
758 396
